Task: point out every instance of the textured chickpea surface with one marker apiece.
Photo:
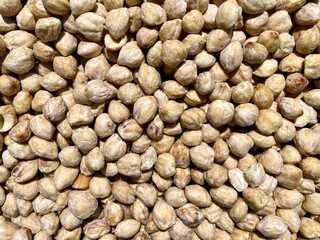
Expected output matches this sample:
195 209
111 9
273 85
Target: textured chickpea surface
159 120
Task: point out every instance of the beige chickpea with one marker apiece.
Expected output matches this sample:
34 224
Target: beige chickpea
48 29
246 114
136 22
44 51
221 91
170 30
192 138
66 44
186 73
289 6
239 144
165 165
216 176
127 228
144 109
20 151
224 20
21 132
78 8
84 138
192 118
194 43
182 177
219 195
309 227
130 130
154 55
253 7
254 53
22 102
60 7
219 74
255 174
66 67
129 165
31 82
291 63
192 22
113 213
270 39
89 49
170 112
286 132
306 40
266 69
123 192
209 16
118 112
231 56
146 38
9 85
96 228
9 9
131 3
272 226
255 24
175 8
307 15
243 92
94 160
193 98
110 152
204 60
78 208
66 159
141 144
176 47
19 38
130 55
19 60
7 24
271 161
104 126
215 108
69 23
287 44
129 93
164 144
98 91
90 25
152 14
41 127
164 215
117 22
283 17
109 5
175 197
173 89
311 66
44 148
217 40
53 82
54 109
276 83
39 100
